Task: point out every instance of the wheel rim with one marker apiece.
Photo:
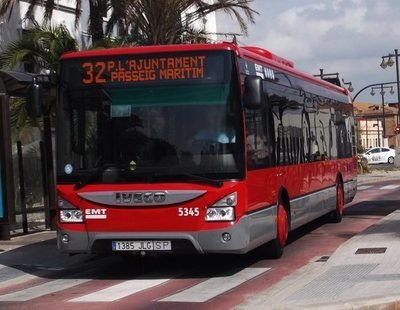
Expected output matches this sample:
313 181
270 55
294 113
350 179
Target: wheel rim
283 225
340 200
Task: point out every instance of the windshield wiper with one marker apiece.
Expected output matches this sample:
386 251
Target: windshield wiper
92 176
188 177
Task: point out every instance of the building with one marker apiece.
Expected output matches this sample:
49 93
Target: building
376 124
13 27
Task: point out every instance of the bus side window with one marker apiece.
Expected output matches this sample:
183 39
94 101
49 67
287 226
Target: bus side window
258 149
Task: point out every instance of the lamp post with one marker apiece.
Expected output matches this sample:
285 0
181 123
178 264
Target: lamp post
389 62
384 64
382 92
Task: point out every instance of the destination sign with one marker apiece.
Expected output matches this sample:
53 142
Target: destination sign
144 69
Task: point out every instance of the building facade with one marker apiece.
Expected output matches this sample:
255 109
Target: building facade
376 124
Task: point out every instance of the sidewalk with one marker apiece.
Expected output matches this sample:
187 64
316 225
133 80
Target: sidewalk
378 175
23 240
363 273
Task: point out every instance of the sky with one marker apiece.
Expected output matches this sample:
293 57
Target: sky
345 36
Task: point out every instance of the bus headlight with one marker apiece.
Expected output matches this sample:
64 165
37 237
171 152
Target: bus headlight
220 214
223 209
71 216
68 212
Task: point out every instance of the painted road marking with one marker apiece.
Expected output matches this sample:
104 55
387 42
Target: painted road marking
390 187
213 287
363 187
120 290
199 293
42 289
17 280
386 187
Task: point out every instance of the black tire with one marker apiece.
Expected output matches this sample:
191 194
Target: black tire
391 160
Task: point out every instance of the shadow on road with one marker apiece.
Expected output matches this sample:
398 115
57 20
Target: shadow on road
42 259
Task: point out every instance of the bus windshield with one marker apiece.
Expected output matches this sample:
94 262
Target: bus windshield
141 118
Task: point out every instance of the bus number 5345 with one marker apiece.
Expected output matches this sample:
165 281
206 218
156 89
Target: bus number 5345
188 212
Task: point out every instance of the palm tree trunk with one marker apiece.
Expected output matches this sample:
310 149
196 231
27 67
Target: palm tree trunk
97 10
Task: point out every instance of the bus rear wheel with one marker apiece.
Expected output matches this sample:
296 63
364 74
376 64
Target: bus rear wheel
276 246
337 214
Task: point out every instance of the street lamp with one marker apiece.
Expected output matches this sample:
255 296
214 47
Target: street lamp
388 63
382 92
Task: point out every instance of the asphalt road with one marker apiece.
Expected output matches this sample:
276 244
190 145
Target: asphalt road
36 276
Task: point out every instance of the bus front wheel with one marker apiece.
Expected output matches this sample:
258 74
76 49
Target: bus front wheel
276 246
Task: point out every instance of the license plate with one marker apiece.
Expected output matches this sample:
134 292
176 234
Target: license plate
142 245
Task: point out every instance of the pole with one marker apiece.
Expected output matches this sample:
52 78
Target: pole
22 191
398 84
383 113
397 156
379 134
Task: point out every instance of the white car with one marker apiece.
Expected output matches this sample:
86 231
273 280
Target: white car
380 155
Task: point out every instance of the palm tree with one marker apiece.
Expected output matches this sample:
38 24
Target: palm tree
156 21
41 45
167 21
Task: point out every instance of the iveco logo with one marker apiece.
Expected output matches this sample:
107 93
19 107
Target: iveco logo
130 198
159 197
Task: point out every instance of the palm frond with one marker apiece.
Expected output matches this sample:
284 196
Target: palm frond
169 21
18 116
41 46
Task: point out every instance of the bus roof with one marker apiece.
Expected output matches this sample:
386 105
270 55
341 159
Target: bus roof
245 52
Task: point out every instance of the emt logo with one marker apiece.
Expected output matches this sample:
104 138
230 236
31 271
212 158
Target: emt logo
98 214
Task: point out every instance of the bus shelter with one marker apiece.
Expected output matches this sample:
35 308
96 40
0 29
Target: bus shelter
15 84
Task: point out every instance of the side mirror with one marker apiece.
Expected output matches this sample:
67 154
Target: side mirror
253 92
34 99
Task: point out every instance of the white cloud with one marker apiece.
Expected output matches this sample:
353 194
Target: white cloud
345 36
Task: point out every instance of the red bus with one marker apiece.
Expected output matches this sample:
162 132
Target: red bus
204 148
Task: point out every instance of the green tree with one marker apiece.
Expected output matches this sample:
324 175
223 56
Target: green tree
172 21
41 45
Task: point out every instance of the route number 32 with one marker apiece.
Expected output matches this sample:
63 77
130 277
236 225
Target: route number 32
188 212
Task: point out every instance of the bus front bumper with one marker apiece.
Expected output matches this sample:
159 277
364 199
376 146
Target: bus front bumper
240 238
